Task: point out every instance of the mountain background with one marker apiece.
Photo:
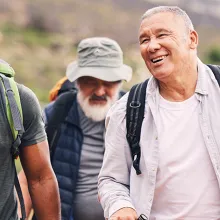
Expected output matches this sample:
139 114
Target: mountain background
39 37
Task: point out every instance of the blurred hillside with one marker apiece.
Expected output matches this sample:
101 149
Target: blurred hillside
39 37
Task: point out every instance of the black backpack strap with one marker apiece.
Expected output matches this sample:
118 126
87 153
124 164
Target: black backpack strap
59 112
216 70
134 119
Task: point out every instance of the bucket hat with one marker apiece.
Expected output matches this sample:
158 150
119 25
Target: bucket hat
101 58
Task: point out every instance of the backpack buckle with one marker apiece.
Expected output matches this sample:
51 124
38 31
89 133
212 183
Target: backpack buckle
135 148
136 163
9 90
15 147
15 153
136 157
135 104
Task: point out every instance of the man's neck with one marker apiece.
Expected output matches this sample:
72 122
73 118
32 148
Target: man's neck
180 86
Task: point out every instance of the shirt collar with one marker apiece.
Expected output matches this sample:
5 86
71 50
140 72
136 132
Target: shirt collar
203 72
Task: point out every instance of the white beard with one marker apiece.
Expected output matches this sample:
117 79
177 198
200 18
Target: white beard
96 112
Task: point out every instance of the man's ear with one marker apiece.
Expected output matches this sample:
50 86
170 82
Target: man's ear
194 39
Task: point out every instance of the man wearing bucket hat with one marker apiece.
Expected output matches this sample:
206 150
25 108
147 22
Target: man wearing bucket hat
77 142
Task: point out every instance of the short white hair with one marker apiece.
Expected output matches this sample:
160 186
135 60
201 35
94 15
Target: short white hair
172 9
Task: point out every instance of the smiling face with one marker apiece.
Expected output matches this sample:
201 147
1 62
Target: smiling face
166 45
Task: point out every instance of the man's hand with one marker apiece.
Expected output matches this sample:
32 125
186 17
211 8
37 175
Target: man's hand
124 214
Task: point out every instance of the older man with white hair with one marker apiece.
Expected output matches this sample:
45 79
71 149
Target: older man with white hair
174 173
77 141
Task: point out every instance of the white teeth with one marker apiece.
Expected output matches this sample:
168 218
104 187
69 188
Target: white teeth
158 58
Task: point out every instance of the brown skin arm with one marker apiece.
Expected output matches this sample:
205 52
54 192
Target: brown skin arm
42 183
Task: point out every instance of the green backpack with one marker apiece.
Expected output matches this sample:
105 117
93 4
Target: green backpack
13 111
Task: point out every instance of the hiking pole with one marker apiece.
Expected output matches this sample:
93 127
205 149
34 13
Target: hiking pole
142 217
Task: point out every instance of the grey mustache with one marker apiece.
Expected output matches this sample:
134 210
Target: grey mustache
95 97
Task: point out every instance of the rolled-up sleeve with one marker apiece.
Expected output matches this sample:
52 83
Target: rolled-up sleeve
114 177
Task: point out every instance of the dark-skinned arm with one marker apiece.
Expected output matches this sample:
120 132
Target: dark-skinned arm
41 180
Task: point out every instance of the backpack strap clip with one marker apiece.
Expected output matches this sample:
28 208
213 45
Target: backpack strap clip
15 146
136 164
136 154
9 90
135 104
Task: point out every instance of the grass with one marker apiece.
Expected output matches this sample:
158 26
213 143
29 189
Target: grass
29 36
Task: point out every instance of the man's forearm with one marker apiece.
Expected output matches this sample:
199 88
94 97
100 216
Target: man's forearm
45 198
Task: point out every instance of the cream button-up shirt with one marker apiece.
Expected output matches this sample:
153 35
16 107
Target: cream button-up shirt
118 184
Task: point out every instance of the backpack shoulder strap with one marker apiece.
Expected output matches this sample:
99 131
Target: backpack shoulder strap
13 112
11 97
216 71
58 114
134 118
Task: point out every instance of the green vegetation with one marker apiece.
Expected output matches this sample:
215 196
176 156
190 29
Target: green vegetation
213 55
28 36
39 58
